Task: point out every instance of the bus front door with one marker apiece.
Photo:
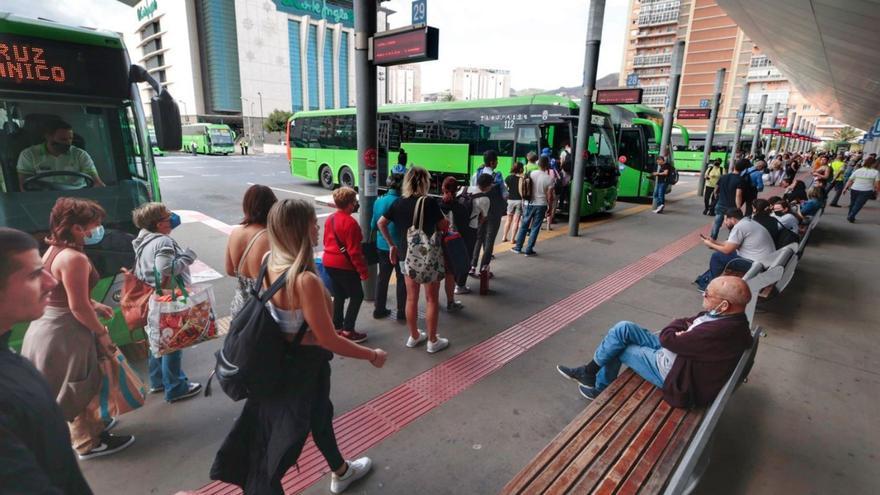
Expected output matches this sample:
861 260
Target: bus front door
635 164
527 138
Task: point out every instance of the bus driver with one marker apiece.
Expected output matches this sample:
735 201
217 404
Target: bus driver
57 154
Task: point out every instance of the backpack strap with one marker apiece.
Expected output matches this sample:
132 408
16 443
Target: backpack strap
248 250
419 213
275 287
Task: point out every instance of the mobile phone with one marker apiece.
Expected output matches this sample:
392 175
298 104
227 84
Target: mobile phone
703 236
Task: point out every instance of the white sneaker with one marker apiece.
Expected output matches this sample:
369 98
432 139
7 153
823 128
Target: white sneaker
437 345
659 209
356 470
462 289
410 342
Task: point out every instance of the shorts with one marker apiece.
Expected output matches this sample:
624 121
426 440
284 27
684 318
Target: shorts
514 207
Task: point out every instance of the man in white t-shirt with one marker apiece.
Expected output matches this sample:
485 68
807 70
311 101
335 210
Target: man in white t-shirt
748 241
864 184
536 209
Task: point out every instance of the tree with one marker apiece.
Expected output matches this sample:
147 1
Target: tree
277 120
846 134
447 97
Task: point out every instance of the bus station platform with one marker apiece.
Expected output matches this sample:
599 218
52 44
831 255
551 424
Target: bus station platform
466 420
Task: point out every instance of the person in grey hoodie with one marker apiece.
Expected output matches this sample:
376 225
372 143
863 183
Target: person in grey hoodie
155 250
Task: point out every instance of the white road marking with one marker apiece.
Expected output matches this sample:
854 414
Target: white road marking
289 191
170 176
210 175
322 215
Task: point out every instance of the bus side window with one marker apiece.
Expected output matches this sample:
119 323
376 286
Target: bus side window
296 134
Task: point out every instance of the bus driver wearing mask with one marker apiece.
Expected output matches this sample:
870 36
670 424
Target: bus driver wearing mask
57 154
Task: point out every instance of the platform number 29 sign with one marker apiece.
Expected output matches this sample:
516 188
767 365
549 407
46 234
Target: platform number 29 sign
420 12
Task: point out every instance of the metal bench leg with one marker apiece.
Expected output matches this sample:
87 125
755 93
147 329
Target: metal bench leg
700 468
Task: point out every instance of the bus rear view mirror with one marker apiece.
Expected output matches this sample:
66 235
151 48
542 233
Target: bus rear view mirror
166 121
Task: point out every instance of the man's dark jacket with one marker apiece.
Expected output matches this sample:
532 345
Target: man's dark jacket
35 453
705 358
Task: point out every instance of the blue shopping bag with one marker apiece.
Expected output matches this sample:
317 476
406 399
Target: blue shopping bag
325 277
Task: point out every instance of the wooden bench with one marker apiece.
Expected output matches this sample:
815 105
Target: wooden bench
628 440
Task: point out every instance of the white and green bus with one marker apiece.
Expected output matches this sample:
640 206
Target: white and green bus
210 139
84 78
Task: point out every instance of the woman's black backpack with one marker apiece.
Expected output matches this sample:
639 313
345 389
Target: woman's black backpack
249 363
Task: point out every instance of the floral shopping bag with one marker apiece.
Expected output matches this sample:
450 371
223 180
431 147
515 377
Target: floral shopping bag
181 318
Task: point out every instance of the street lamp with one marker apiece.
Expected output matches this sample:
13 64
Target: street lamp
250 117
262 127
185 112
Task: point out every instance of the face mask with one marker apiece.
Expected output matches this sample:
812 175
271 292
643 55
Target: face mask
357 207
61 147
778 213
715 311
95 236
175 221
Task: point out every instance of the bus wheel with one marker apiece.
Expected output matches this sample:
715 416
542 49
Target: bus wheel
346 177
325 177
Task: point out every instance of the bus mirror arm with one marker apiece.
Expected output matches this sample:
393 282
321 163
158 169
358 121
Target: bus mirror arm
137 74
166 114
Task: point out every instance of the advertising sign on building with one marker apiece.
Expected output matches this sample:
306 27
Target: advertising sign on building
333 11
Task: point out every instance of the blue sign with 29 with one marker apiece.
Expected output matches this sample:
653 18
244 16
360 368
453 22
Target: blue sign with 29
420 12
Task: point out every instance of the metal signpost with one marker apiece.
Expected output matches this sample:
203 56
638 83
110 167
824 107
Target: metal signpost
757 137
740 119
710 131
591 62
671 99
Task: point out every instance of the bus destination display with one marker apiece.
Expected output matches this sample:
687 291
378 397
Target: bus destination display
40 65
406 46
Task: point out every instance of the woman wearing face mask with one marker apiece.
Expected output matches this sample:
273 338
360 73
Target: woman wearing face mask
65 343
345 262
154 251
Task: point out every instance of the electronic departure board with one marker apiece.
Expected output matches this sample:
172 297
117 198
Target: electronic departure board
46 66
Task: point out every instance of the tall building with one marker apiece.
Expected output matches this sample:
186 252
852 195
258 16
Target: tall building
712 41
470 83
235 61
403 83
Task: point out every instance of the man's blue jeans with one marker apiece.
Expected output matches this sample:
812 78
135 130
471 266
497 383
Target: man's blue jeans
718 262
659 193
719 220
631 345
531 221
857 200
165 372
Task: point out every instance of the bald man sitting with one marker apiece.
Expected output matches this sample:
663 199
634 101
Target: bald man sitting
691 359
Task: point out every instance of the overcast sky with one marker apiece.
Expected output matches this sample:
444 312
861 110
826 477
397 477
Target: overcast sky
541 43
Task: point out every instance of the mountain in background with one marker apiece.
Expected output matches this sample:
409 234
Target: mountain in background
607 81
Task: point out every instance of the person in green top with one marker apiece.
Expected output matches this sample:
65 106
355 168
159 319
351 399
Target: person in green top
532 165
713 173
838 168
57 154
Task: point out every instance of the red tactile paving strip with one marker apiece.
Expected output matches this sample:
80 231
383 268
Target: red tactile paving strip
381 417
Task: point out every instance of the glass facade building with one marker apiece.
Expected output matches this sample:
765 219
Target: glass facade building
219 44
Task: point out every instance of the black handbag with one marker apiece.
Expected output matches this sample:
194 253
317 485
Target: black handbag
368 248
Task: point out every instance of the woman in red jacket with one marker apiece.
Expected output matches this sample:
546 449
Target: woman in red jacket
344 262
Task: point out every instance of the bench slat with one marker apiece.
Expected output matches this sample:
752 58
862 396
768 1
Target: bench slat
534 468
625 464
625 441
643 469
585 457
673 452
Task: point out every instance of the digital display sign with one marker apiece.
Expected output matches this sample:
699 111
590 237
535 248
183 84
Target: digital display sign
628 96
406 46
694 113
34 64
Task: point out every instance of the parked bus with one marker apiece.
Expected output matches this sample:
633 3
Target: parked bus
639 129
154 144
688 154
90 86
210 139
449 139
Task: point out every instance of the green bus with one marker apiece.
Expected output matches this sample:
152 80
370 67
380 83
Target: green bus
688 153
639 129
449 139
210 139
154 144
85 78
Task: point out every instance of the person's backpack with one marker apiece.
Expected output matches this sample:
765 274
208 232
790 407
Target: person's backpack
672 178
249 363
750 190
784 237
465 202
527 188
424 254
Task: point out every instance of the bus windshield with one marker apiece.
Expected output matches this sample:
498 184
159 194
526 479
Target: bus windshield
220 136
100 162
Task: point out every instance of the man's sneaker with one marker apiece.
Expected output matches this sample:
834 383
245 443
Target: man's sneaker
588 393
356 470
110 444
473 272
516 250
438 345
109 423
410 342
381 313
453 306
659 209
354 336
529 254
578 374
462 289
156 390
194 388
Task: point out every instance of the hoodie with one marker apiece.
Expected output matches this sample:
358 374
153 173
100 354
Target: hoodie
152 249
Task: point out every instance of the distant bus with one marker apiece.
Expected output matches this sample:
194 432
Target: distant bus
449 139
688 155
154 143
210 139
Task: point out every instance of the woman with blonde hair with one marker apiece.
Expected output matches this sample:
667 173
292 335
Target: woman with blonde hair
402 213
269 435
64 345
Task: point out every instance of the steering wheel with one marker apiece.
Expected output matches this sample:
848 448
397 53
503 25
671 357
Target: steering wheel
37 182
